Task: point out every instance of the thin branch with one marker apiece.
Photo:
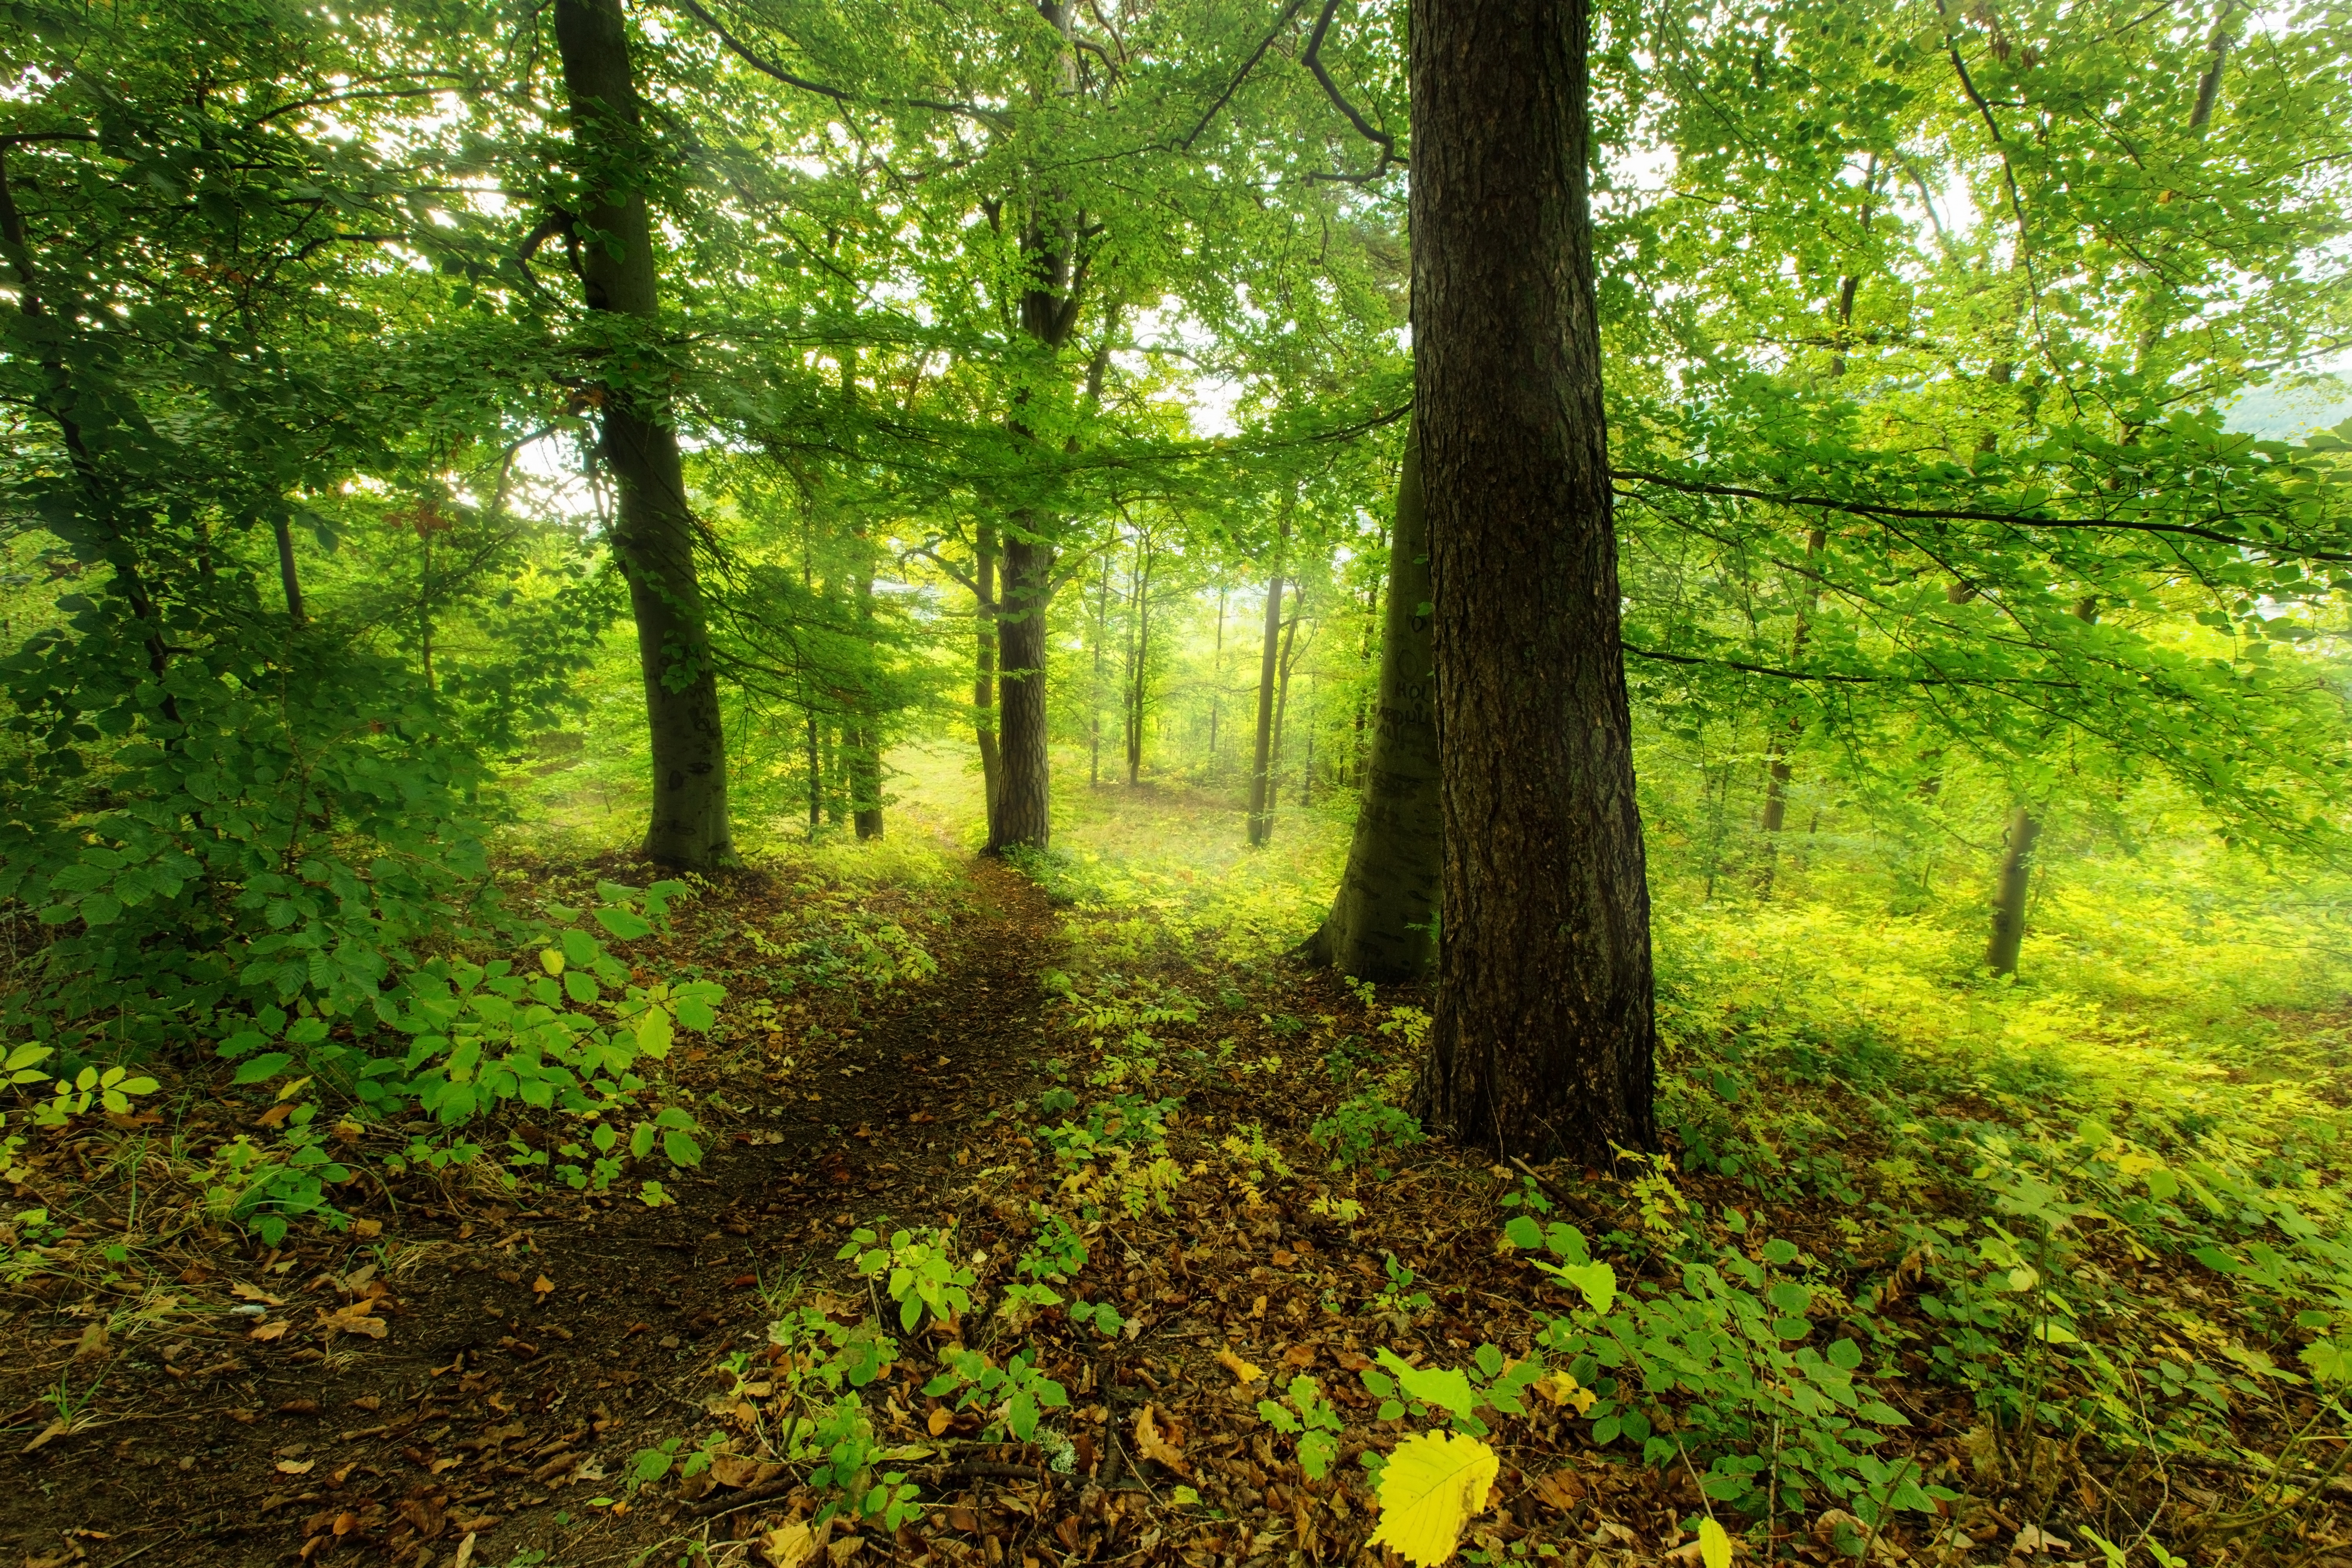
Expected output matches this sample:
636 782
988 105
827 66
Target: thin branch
769 69
1965 514
1313 59
1289 12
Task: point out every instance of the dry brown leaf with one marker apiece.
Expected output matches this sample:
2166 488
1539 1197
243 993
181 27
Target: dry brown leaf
1563 1488
1243 1370
359 1318
740 1471
941 1418
1299 1356
367 1228
267 1332
1152 1445
542 1287
253 1293
92 1343
296 1467
54 1429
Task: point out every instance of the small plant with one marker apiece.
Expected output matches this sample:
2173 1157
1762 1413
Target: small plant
1363 1131
1305 1414
111 1088
1398 1301
1055 1257
1491 1382
919 1272
1338 1211
1017 1392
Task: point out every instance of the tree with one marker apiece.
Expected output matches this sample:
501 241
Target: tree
653 532
1382 924
1544 1030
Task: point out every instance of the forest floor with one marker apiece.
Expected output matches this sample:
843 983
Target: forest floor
468 1376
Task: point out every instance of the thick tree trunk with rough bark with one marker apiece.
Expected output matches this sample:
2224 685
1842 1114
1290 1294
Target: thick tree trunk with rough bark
1021 814
2009 899
1544 1033
652 535
1380 920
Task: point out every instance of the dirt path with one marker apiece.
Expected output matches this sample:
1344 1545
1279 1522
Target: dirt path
528 1355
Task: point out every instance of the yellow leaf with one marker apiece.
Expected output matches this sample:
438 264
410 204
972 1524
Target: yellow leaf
542 1287
1433 1485
791 1546
1562 1389
551 960
1241 1369
1714 1545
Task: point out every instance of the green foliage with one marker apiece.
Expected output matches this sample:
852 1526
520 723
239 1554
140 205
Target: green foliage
1018 1390
1772 1417
1365 1130
1304 1414
919 1272
1491 1382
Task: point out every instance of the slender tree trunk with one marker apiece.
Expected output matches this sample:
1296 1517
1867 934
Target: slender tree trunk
1022 815
1217 680
653 535
1261 797
1094 699
1545 1030
1382 919
983 683
815 777
1140 675
1780 737
2009 899
1281 716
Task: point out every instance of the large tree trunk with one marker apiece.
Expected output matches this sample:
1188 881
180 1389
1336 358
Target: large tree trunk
984 682
1261 797
1022 816
2009 899
653 536
1544 1033
1379 923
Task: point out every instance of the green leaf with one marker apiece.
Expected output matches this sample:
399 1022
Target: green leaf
625 925
267 1064
681 1149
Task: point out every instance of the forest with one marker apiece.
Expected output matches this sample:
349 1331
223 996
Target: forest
1001 784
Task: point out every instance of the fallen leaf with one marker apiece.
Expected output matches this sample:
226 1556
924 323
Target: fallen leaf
274 1114
542 1287
276 1331
789 1546
1432 1486
54 1429
741 1471
92 1343
253 1293
1243 1370
367 1228
1152 1445
295 1466
356 1319
1283 1259
1562 1389
1299 1356
465 1552
941 1418
1563 1488
2033 1538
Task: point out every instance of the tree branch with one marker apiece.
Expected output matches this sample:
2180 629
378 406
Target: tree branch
1313 59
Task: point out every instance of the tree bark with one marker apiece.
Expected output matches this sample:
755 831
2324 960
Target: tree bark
1544 1037
984 682
1022 816
1382 919
1261 797
653 537
1139 665
2009 899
